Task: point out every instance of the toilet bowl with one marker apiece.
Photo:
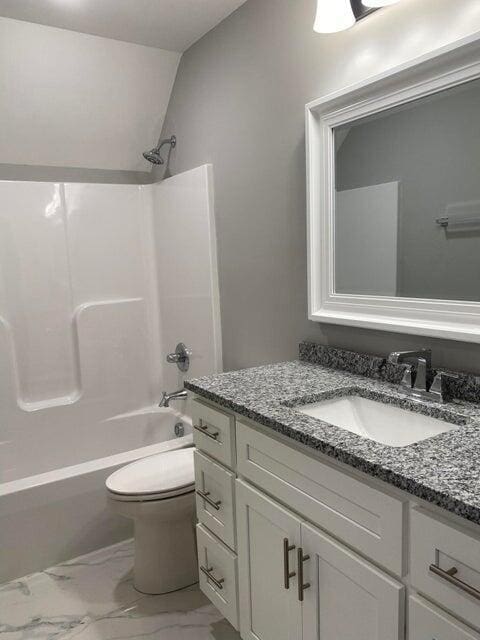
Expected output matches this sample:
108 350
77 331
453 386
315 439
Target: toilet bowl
158 494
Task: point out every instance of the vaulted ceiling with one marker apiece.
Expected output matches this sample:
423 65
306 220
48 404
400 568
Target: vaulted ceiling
167 24
70 99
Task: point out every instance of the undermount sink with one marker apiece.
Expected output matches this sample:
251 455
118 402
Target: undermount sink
377 421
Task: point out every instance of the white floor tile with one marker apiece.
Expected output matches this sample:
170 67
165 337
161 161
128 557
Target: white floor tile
92 598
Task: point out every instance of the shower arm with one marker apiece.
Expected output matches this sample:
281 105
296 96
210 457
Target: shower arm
172 141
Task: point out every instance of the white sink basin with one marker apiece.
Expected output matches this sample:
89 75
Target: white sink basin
383 423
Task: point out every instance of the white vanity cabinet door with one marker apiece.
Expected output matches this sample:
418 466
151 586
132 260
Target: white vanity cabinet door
348 598
426 622
268 611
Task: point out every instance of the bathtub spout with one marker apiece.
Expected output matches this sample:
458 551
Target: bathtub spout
181 394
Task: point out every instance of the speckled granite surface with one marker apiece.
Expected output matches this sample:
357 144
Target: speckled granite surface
444 470
456 385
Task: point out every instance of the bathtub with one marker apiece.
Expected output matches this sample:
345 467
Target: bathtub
61 513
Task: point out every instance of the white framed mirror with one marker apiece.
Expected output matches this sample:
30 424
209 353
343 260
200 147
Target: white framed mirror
393 183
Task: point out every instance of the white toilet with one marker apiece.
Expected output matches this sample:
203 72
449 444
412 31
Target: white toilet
158 493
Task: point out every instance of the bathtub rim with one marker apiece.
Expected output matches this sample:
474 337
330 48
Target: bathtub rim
98 464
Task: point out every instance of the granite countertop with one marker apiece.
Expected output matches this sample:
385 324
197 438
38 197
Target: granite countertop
443 469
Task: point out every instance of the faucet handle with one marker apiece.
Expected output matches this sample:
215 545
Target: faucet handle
442 385
408 379
436 386
180 357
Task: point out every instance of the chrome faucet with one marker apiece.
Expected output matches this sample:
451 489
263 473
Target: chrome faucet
421 381
181 394
423 359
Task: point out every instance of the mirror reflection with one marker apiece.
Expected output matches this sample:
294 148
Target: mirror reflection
407 206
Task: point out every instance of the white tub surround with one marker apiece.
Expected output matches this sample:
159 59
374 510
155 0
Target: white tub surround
97 284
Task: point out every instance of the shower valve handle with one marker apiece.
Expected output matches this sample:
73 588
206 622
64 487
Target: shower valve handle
181 357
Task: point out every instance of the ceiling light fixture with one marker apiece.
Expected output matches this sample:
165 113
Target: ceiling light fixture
333 16
337 15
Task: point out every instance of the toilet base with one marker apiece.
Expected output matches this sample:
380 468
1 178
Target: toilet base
165 543
165 555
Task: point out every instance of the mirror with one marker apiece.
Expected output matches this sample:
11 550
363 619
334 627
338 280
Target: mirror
393 207
407 199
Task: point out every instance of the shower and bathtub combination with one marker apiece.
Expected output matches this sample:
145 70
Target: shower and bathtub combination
94 293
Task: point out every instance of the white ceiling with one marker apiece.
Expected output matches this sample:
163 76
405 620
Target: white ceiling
166 24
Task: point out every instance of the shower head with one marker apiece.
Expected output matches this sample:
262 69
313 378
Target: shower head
154 156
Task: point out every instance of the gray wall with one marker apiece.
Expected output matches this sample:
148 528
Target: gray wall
238 102
433 149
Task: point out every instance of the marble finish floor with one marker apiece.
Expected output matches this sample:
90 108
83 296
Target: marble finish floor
92 598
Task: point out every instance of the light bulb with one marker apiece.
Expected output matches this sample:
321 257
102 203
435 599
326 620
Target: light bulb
333 16
375 4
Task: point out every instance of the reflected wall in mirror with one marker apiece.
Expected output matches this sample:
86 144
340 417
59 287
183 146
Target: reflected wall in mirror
407 199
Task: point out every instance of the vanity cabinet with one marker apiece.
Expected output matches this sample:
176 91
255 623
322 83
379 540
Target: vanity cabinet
268 539
218 574
297 581
215 462
427 622
294 546
369 520
214 487
348 597
214 432
446 565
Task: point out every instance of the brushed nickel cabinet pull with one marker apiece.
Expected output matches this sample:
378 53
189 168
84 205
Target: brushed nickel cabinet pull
449 576
287 574
216 581
204 495
301 585
204 429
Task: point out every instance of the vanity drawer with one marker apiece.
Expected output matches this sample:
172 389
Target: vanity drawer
214 432
436 545
218 574
427 622
215 502
365 518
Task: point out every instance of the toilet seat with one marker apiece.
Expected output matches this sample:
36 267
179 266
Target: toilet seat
159 477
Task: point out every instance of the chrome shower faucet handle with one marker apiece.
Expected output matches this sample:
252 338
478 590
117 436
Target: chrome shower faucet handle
181 357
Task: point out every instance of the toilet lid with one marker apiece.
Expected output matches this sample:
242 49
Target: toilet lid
164 474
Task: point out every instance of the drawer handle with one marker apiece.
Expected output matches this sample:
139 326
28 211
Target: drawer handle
287 574
204 495
301 586
449 576
204 429
208 572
